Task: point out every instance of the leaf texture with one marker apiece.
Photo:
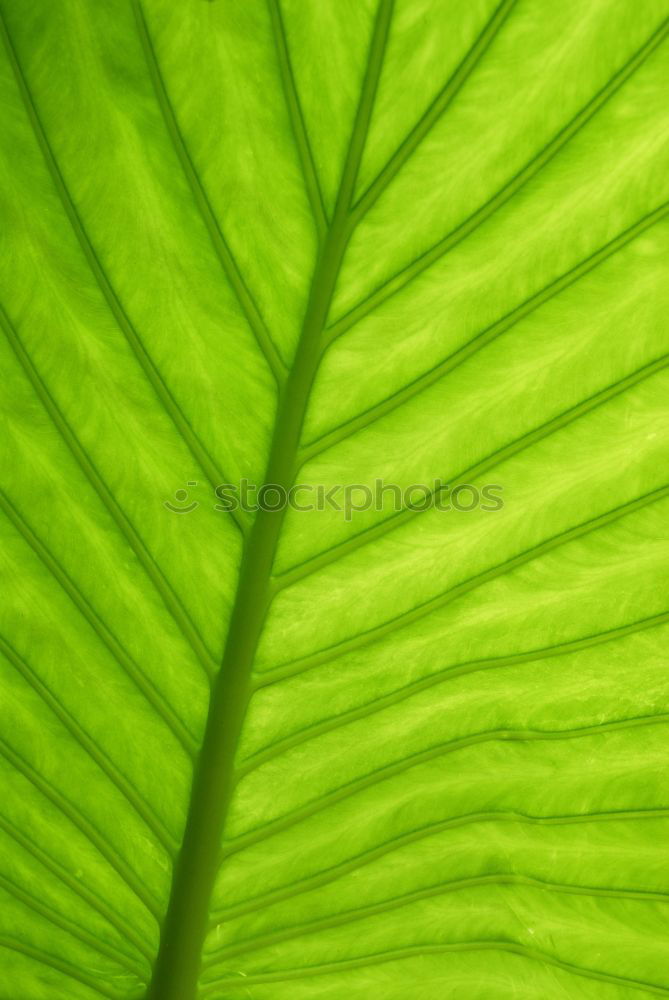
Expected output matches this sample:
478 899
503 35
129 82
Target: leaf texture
292 755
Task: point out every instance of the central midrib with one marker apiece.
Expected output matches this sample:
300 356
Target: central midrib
177 966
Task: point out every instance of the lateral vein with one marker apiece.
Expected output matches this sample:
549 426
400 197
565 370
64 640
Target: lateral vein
218 241
297 120
398 902
502 454
153 375
391 286
70 927
419 951
441 677
436 603
78 888
164 588
333 872
317 806
108 639
393 402
104 848
58 965
434 112
90 748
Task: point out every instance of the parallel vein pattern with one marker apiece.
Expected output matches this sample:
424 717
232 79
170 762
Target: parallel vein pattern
410 750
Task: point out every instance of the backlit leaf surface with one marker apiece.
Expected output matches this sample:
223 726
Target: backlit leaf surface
329 242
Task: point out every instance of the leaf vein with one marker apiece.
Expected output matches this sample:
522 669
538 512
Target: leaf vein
177 965
422 950
347 917
378 776
441 677
79 889
88 745
108 639
391 286
441 600
162 585
218 241
57 965
328 557
333 872
297 120
153 375
69 926
87 829
440 104
393 402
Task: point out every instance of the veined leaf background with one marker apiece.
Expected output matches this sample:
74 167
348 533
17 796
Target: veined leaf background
289 756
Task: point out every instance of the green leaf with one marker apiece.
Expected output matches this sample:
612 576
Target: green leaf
305 755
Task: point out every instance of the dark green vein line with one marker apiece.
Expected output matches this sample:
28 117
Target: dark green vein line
333 872
177 967
305 569
397 399
435 111
420 951
108 639
162 585
90 748
452 746
297 120
371 780
398 281
347 917
442 677
83 825
80 889
218 241
441 600
57 965
133 339
70 927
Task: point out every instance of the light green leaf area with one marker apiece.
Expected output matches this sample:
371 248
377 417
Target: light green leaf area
288 755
